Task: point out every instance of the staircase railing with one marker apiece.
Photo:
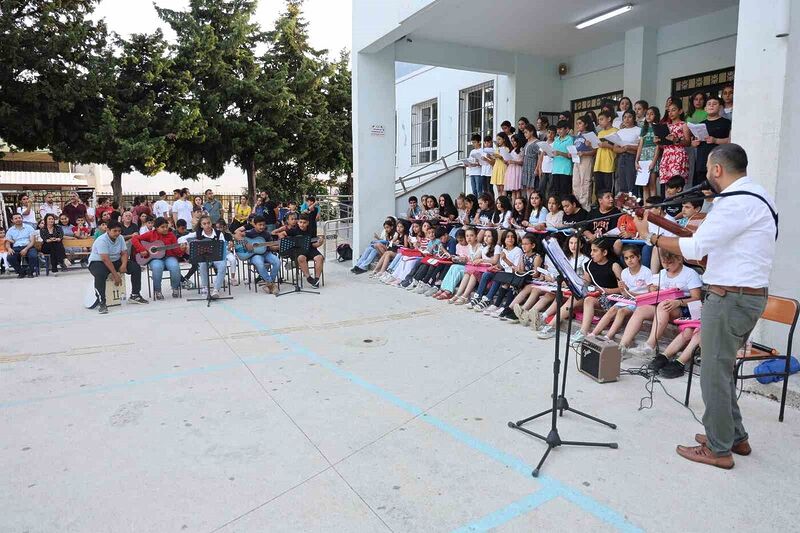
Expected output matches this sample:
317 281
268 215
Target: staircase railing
419 174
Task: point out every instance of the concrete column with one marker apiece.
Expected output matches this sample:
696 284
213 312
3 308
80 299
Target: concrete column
373 142
641 63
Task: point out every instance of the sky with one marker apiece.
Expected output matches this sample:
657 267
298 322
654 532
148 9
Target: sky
329 20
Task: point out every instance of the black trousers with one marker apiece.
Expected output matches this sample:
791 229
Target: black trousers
101 273
560 185
56 252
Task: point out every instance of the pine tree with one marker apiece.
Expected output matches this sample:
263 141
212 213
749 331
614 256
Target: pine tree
242 104
338 156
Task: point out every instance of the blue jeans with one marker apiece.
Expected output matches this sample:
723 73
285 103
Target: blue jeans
369 255
15 259
477 184
261 261
220 266
395 262
157 267
485 279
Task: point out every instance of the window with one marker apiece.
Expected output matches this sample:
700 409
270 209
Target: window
710 82
424 132
476 114
581 106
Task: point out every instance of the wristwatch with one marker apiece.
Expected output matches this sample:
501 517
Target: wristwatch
650 240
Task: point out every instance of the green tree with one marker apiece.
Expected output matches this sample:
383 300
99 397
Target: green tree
142 115
50 67
338 145
241 103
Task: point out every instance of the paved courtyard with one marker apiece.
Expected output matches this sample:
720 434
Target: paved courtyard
363 409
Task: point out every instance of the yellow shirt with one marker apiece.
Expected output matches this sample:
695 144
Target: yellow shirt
605 157
242 212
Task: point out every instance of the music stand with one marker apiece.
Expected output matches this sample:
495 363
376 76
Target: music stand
290 248
207 251
565 274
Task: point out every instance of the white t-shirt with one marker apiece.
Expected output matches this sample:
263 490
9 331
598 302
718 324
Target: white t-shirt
637 283
30 218
486 167
90 212
547 163
485 249
183 210
476 155
161 209
630 135
514 256
686 280
505 222
144 229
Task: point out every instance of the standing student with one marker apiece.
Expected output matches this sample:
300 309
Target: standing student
530 160
181 207
648 150
486 164
640 108
161 206
697 108
161 232
674 159
582 171
719 132
606 157
498 160
474 165
513 177
562 160
727 102
623 106
541 128
545 165
507 128
626 153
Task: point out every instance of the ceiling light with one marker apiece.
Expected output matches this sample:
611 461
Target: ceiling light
604 16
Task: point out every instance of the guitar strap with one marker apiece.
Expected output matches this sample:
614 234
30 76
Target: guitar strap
755 195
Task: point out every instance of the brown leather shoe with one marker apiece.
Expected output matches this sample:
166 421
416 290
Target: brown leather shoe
701 454
740 448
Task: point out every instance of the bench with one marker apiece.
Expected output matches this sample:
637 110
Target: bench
70 242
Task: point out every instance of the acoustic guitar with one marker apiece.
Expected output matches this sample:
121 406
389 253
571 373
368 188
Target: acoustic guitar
260 247
157 250
629 204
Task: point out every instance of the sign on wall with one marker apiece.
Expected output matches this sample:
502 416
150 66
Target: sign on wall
378 130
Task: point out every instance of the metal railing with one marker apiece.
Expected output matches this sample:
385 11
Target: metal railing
418 174
336 232
335 206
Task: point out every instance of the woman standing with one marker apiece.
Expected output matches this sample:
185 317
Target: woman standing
648 151
498 160
513 176
52 242
674 161
241 213
197 205
626 153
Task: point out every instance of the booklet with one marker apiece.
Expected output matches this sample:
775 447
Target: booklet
617 140
700 131
643 175
546 148
661 131
591 138
573 151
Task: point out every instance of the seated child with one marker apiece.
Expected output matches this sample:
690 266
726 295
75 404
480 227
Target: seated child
474 269
399 239
81 229
506 263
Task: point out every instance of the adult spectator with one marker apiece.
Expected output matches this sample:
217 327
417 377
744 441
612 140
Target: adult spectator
182 207
20 240
311 207
241 213
719 132
197 205
128 227
212 206
48 207
161 207
27 211
52 243
109 257
727 102
140 206
102 206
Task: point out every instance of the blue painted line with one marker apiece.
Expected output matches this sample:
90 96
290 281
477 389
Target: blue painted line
236 363
586 503
511 511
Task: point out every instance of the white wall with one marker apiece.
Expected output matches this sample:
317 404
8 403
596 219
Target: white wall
598 71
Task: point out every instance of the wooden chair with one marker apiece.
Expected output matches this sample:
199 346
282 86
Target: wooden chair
781 310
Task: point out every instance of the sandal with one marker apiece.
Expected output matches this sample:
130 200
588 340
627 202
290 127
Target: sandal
461 300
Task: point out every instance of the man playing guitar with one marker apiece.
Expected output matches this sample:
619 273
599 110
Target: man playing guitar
262 254
174 252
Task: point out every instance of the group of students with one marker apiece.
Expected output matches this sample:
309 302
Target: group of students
603 151
112 255
487 255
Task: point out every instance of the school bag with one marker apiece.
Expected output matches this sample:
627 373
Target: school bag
344 253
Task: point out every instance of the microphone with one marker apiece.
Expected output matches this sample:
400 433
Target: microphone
691 190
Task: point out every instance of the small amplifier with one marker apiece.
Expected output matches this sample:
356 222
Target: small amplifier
599 359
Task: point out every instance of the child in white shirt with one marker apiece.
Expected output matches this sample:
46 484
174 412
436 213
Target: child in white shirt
635 281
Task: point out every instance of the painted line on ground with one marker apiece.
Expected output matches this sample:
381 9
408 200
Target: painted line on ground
511 511
208 369
583 501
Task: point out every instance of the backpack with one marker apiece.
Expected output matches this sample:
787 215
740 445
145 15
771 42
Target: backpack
344 253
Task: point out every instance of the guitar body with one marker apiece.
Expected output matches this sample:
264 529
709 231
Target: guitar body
155 249
260 247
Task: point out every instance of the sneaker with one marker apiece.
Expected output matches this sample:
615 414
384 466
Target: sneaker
658 362
577 337
214 294
644 350
234 281
521 314
186 284
267 287
176 293
422 287
67 263
157 295
314 282
472 303
490 309
482 304
673 369
497 313
407 285
203 290
624 352
432 291
537 320
102 309
509 316
547 332
137 299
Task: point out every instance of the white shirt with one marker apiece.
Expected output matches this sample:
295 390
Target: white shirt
514 256
486 167
183 210
547 163
30 218
48 209
637 283
738 236
144 229
161 209
630 135
476 155
686 280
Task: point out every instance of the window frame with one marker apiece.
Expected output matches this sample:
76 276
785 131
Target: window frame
425 133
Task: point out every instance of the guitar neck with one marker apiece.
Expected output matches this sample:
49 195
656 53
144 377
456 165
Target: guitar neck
666 224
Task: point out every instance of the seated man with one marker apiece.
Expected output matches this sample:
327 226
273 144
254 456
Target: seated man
20 243
110 257
261 260
302 256
169 262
